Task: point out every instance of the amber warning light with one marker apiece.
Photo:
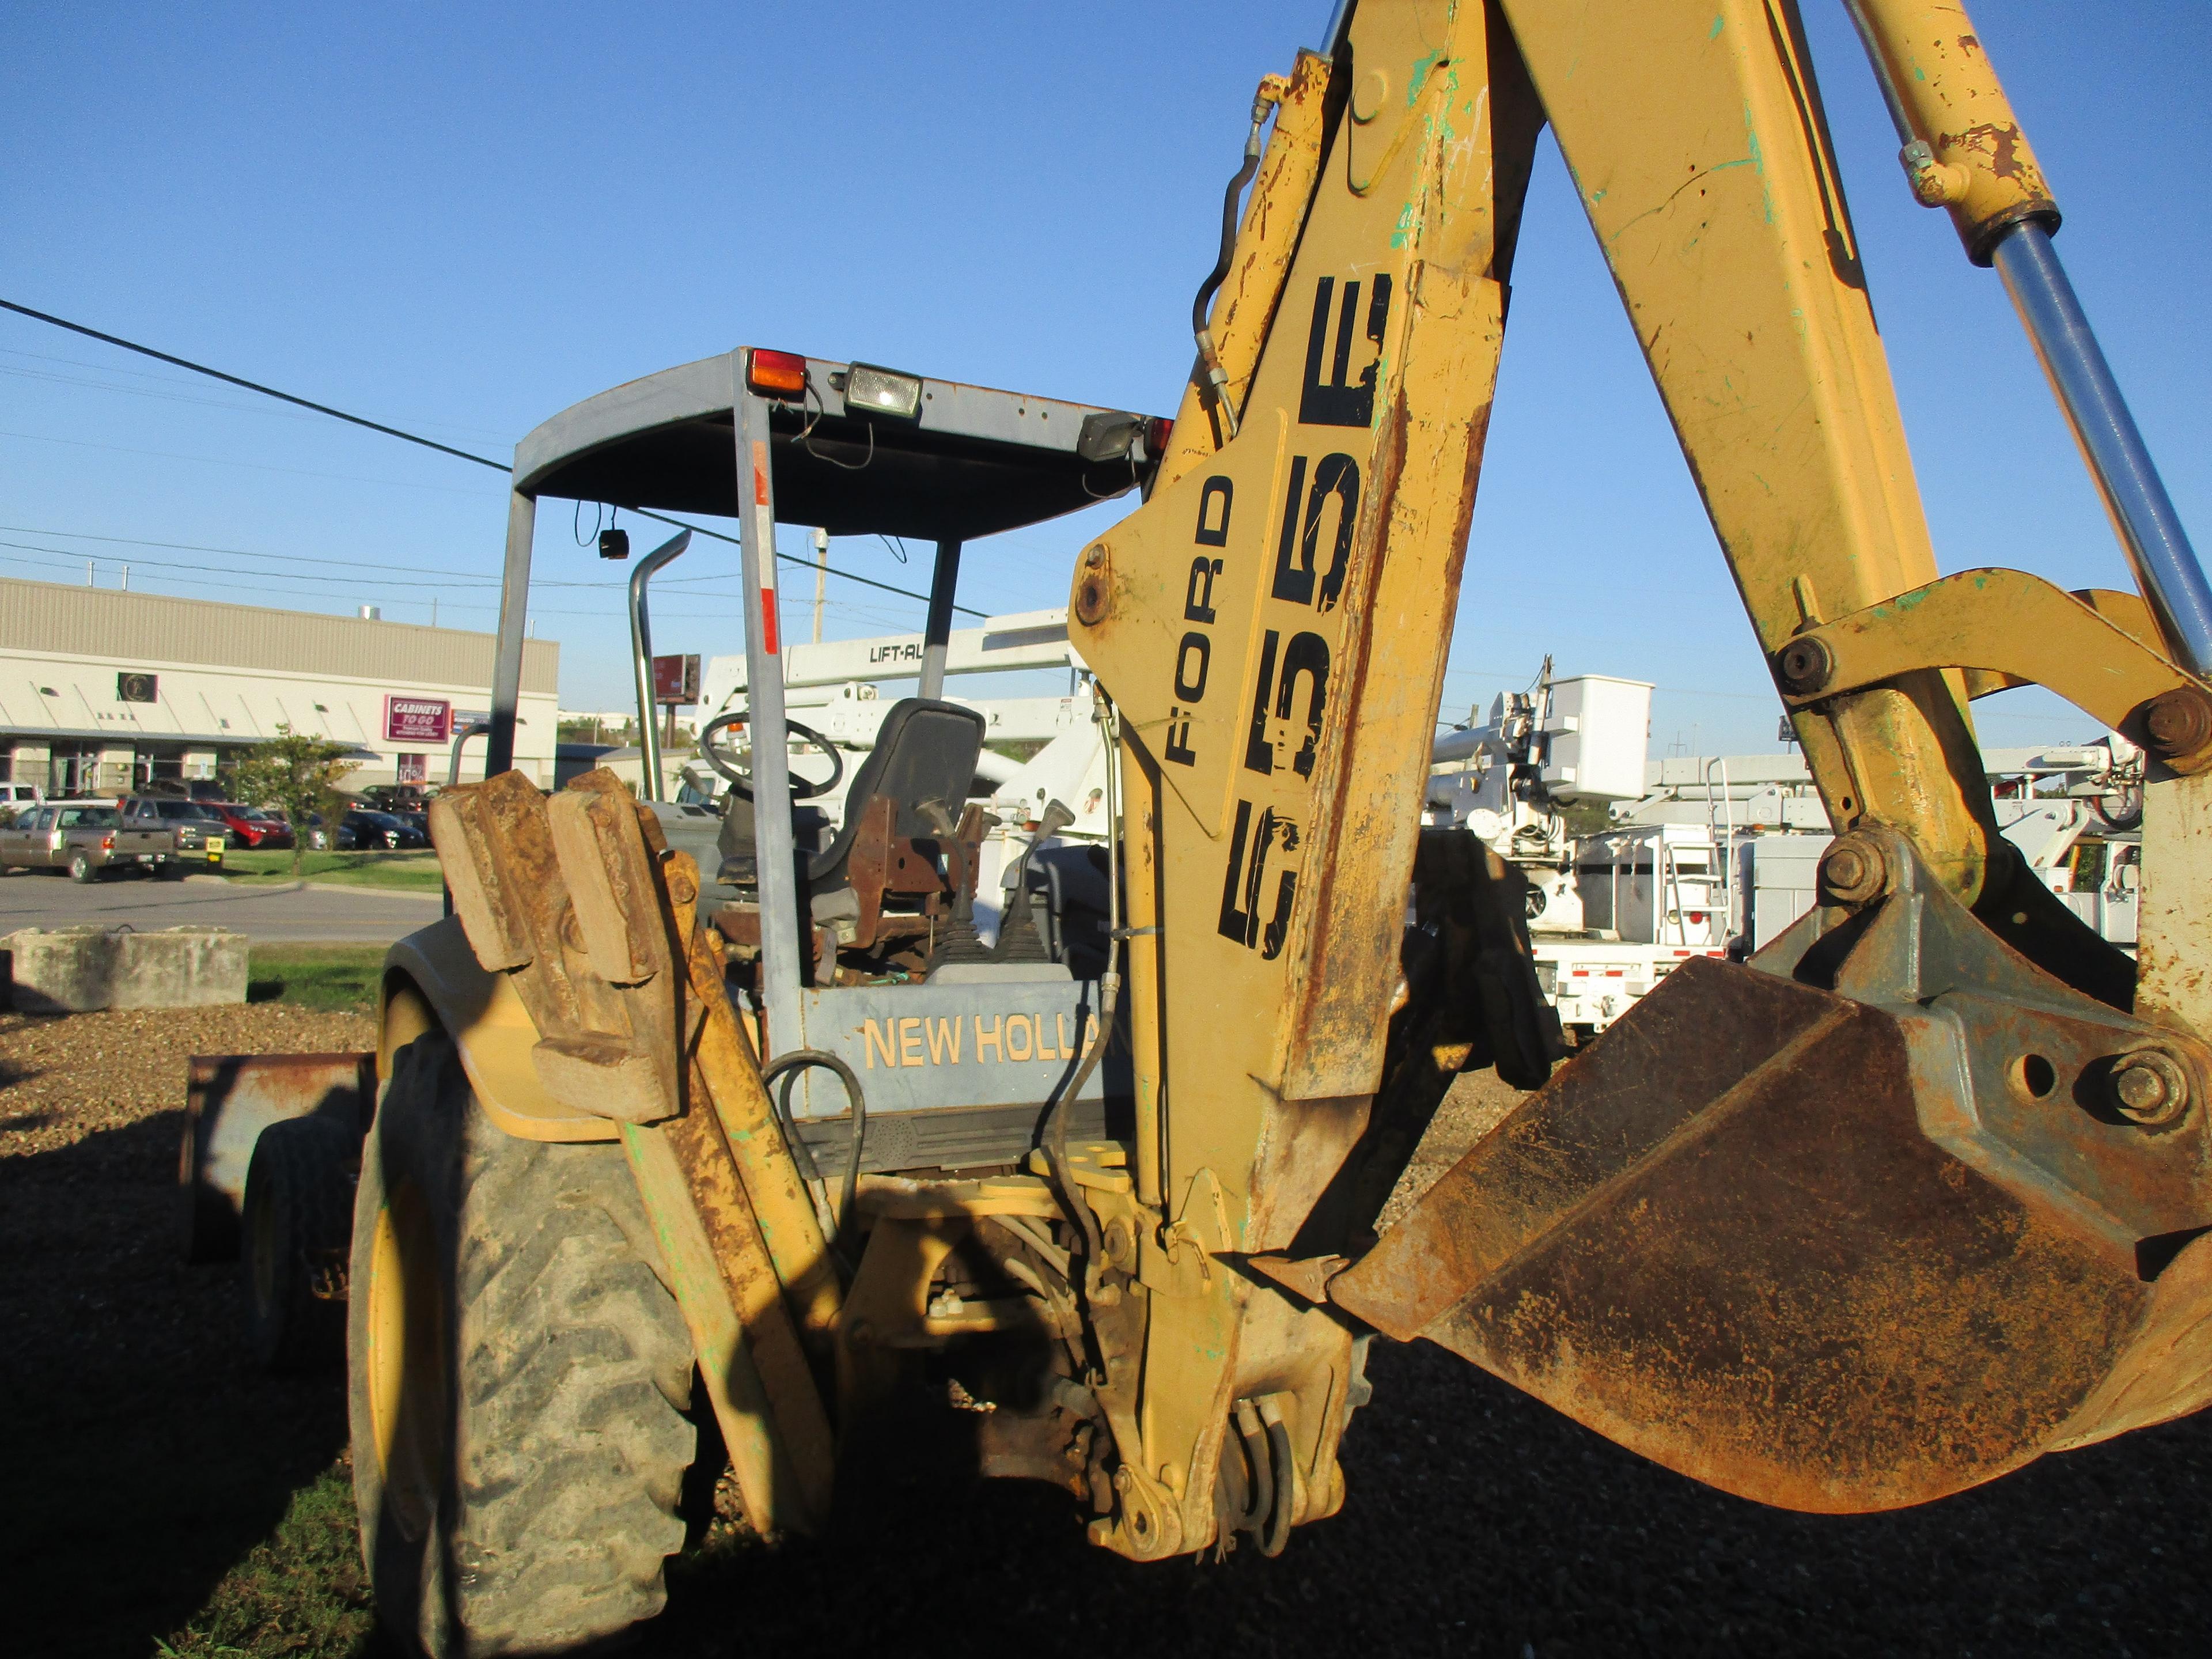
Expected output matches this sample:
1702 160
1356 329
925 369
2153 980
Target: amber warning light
776 373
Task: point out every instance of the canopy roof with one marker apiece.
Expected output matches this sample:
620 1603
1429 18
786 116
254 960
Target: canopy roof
975 462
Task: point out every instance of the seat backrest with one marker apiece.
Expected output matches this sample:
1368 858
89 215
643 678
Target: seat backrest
925 751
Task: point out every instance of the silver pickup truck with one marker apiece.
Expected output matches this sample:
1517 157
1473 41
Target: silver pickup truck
89 837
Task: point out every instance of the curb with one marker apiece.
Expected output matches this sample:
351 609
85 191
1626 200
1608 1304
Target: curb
242 886
376 892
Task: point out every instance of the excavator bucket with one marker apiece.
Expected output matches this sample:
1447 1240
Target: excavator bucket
1886 1213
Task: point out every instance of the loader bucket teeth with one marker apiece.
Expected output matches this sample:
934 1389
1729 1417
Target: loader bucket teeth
562 894
1727 1239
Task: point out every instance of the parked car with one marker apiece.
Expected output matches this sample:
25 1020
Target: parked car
19 794
197 832
384 830
325 837
87 838
255 826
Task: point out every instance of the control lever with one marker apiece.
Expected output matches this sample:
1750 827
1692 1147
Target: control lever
1018 931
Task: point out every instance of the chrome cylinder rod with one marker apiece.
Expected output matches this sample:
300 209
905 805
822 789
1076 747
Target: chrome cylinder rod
2165 565
641 651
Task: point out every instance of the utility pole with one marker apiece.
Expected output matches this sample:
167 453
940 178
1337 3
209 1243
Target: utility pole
821 576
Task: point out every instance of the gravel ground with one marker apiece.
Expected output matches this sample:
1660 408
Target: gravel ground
140 1455
143 1458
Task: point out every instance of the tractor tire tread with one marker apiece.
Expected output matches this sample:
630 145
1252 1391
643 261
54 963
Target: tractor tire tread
301 1174
571 1370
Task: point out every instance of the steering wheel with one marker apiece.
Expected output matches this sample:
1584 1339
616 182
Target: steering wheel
741 783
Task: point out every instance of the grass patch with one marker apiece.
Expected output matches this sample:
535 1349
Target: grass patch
409 872
300 1592
326 977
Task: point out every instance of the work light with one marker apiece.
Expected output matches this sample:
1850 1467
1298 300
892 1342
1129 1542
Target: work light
872 391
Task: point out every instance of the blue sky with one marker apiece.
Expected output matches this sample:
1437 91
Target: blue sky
462 218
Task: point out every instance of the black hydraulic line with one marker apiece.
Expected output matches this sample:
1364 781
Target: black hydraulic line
1211 374
1260 1495
1232 201
1054 1134
1276 1532
794 1062
1056 1128
119 341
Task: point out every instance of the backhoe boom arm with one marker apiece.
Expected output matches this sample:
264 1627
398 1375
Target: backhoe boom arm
1273 626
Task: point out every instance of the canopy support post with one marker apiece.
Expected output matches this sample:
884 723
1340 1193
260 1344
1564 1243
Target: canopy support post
937 630
514 627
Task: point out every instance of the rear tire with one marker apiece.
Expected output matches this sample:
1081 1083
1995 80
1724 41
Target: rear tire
81 870
296 1229
518 1377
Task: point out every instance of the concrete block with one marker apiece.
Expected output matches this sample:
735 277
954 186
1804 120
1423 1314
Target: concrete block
75 970
181 968
62 970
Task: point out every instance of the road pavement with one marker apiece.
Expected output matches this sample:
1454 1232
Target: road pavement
38 898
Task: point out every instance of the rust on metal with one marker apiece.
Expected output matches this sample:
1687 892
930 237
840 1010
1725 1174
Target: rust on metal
1722 1239
1309 1277
1093 587
2178 722
230 1099
725 1073
772 1337
597 921
603 1047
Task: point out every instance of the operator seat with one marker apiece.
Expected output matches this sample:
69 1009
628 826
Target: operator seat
925 752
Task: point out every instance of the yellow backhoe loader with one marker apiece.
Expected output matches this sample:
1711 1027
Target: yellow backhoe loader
1915 1195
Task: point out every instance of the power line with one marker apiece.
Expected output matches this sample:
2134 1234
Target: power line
251 385
453 578
251 466
456 578
415 438
160 379
260 575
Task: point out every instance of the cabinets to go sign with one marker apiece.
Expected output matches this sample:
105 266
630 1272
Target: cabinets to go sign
418 719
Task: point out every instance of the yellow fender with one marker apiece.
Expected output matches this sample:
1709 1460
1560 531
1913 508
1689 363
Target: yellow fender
432 981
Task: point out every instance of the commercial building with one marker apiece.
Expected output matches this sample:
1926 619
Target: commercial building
102 691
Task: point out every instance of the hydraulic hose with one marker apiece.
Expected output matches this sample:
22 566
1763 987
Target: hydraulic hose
1260 1497
1109 995
1276 1532
792 1063
1212 375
